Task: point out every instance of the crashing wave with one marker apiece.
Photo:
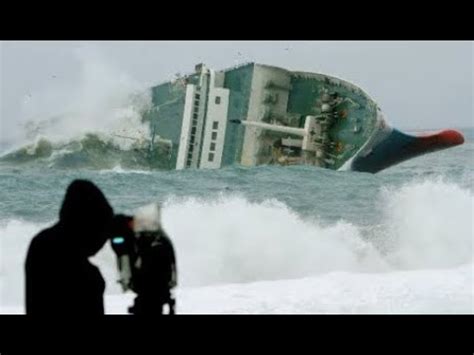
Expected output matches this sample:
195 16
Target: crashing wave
102 135
93 151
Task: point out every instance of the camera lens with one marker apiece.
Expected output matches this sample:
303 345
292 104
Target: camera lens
118 240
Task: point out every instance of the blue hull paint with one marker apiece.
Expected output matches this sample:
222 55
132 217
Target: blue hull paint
397 147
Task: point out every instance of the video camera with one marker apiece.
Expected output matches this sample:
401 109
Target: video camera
145 259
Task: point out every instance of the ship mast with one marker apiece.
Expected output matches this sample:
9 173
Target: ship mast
315 136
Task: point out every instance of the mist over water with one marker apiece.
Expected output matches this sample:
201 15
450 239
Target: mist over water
72 127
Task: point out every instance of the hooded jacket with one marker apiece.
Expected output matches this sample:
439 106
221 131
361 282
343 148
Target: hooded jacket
59 276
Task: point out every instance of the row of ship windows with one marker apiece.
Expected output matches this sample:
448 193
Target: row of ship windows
215 126
193 128
212 148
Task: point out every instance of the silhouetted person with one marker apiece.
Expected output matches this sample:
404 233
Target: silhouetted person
59 277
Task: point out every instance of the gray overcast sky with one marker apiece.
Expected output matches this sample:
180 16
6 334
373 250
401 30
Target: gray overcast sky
417 84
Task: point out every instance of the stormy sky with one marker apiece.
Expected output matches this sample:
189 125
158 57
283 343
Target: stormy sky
419 85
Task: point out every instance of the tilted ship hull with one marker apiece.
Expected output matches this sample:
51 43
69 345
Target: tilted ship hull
256 114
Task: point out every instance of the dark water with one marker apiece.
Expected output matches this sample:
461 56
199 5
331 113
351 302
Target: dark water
34 191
